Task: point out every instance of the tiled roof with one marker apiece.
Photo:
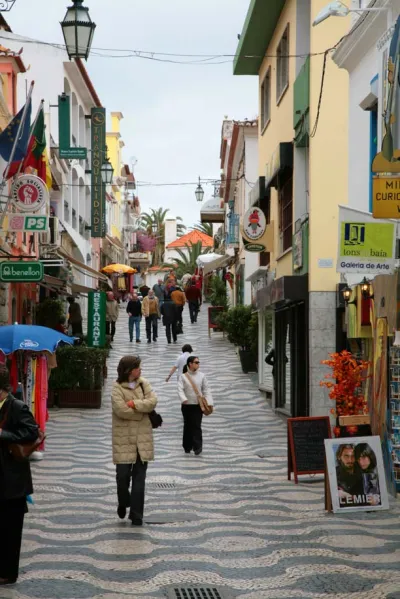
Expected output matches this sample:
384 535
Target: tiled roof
160 268
191 238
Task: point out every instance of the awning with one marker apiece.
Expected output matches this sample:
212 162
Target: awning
88 270
210 262
287 289
81 289
260 272
213 211
259 192
55 284
115 242
282 158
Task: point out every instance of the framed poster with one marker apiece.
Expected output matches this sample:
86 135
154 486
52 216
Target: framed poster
356 474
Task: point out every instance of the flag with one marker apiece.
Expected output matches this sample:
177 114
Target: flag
36 155
8 136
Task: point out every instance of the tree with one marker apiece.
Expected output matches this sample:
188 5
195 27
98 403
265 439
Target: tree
153 223
206 228
186 263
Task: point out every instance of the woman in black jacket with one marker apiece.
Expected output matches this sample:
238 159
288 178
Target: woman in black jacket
17 425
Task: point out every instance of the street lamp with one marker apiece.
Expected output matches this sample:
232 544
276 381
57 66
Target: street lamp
346 292
154 228
339 9
199 193
107 172
78 29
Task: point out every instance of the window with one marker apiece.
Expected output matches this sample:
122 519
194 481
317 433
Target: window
285 192
282 65
266 100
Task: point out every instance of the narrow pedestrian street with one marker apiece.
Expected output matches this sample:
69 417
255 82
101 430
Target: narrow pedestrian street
228 519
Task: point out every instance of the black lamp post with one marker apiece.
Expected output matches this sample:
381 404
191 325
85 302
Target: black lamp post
78 29
199 193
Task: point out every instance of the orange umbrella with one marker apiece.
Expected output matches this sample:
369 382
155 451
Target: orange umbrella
120 269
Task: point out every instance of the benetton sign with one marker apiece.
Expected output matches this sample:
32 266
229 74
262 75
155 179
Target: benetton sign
21 272
97 319
98 189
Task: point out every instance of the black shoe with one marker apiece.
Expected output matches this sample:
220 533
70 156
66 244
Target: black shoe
137 522
187 450
131 340
4 581
155 340
197 451
169 341
121 511
138 341
148 340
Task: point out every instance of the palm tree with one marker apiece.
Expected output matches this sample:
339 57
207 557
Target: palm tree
186 263
153 223
206 228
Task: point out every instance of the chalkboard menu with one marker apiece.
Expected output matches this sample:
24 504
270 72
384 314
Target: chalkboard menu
306 450
213 313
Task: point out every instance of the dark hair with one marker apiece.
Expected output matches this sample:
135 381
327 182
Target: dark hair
4 378
341 449
186 348
125 367
191 359
71 300
364 450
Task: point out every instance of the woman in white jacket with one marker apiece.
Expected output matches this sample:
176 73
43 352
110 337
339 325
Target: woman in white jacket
191 411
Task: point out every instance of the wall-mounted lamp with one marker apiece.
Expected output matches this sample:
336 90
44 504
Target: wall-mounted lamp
346 292
366 289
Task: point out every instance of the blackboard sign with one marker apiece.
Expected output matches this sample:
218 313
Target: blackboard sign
306 450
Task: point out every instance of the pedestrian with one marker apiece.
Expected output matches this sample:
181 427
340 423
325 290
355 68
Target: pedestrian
151 312
74 317
132 436
134 309
16 425
179 299
112 313
191 385
158 289
170 318
181 362
193 296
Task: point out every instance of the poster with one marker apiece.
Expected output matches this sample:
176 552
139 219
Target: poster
356 474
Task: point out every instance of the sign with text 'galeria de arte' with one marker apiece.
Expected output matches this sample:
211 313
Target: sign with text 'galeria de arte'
98 221
366 247
97 319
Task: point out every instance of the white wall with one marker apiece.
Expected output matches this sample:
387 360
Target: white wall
170 230
171 254
251 258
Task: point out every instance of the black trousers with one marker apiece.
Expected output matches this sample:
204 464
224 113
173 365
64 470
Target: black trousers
171 328
110 328
192 433
180 315
193 310
134 500
152 323
12 514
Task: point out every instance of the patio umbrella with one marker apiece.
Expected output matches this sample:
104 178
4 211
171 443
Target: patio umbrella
120 269
30 337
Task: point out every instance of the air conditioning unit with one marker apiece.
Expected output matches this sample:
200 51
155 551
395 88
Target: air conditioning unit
52 236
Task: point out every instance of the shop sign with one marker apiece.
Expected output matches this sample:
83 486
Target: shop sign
6 5
386 197
97 319
98 190
298 250
254 224
21 272
27 222
29 193
64 132
366 247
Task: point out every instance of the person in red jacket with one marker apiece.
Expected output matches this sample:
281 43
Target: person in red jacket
193 296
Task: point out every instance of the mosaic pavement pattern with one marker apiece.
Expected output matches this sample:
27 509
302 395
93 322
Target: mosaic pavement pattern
227 518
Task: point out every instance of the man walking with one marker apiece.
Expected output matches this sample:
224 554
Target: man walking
193 296
151 312
112 313
74 317
170 319
134 309
179 299
158 289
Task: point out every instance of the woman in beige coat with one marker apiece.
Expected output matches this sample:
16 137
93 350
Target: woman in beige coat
132 436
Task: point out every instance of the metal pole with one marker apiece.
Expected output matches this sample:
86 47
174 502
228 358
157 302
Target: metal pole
12 154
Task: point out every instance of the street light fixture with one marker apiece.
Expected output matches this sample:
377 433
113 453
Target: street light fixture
346 292
199 193
107 172
339 9
78 29
154 228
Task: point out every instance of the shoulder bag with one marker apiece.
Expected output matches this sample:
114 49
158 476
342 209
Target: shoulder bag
22 451
206 408
155 418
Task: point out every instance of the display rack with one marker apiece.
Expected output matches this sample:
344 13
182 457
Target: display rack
394 407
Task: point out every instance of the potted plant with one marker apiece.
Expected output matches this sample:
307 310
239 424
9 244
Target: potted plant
241 326
346 389
49 313
78 379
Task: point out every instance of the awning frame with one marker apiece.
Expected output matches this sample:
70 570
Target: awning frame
88 269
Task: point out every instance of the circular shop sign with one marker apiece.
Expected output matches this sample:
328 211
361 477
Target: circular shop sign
254 224
29 193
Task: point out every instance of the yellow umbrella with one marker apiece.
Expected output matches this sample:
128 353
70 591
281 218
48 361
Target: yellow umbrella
121 269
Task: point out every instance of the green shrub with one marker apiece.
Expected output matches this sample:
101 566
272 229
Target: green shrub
217 292
49 312
78 367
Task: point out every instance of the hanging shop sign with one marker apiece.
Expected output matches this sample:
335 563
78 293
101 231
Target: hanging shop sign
27 222
21 272
97 319
256 234
366 247
298 250
29 193
386 197
98 190
65 150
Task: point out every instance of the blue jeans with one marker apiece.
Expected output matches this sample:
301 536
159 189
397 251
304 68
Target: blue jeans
134 321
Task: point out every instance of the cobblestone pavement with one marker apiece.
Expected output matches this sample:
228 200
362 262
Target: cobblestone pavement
228 518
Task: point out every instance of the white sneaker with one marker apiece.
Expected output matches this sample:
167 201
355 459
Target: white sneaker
36 456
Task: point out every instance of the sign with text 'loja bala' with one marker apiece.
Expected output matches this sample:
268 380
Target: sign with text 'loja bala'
97 319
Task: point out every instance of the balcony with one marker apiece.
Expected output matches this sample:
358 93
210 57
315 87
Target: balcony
232 239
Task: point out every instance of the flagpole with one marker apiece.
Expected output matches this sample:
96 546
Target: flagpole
32 130
12 154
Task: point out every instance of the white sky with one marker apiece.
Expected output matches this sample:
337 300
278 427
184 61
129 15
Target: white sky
172 113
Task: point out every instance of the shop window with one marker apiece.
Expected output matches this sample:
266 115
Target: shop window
266 100
282 65
285 194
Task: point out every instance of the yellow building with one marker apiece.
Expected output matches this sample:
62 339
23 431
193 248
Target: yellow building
303 179
114 146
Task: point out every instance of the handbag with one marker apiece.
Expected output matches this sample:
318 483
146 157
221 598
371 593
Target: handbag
206 408
155 418
22 451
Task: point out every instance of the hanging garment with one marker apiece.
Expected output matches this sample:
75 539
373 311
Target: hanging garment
29 382
41 390
14 373
32 407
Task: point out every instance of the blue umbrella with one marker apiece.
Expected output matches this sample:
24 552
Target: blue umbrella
31 338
